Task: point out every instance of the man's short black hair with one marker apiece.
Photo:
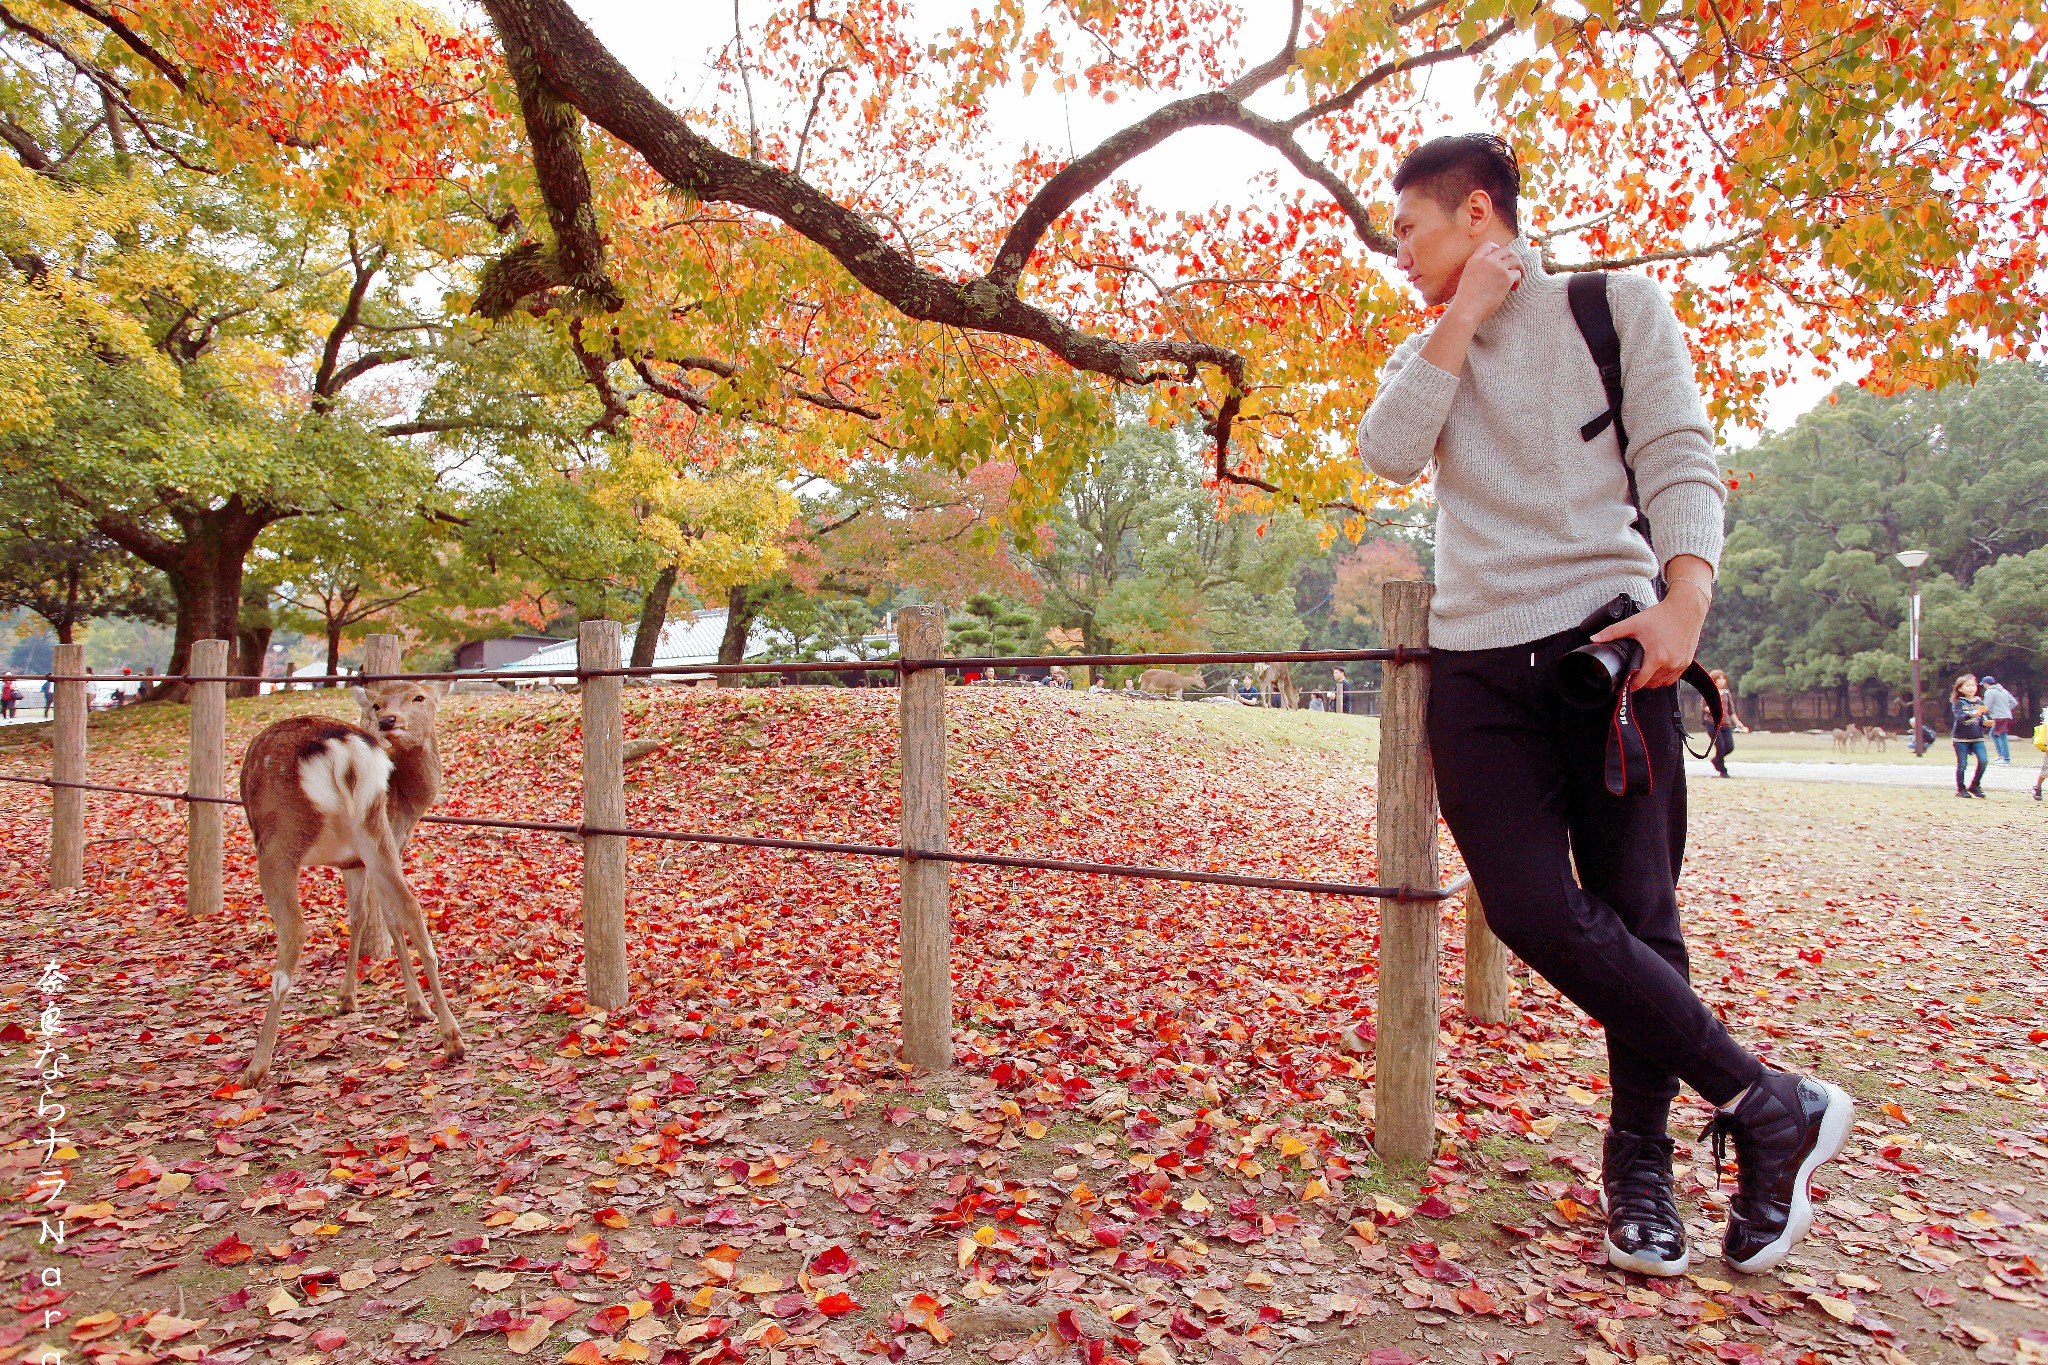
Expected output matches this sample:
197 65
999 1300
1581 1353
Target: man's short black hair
1448 169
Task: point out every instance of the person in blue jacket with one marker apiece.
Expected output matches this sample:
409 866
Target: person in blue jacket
1972 721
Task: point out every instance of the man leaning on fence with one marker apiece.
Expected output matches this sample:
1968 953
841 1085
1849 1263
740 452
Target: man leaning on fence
1535 531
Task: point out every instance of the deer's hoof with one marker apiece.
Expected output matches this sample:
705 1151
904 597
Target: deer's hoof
418 1013
253 1078
345 1005
451 1048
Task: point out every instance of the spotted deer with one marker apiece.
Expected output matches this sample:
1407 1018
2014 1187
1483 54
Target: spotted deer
320 792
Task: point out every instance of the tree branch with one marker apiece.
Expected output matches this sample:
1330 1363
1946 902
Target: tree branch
548 43
325 383
554 132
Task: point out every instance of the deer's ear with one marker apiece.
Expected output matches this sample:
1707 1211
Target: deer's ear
440 689
360 698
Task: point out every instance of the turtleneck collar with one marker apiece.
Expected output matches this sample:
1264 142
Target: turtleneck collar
1533 281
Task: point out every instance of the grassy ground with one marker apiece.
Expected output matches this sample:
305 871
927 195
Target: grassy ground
1151 1127
1801 747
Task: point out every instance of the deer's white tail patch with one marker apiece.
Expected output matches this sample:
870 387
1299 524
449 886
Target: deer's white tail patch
345 778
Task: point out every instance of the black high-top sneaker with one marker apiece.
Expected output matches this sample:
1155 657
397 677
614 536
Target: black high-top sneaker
1644 1232
1784 1127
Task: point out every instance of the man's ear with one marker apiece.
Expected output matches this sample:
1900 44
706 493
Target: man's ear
1478 208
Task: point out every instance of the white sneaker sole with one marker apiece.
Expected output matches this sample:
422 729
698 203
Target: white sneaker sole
1646 1265
1642 1265
1834 1131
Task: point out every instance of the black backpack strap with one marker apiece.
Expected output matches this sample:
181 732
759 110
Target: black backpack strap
1587 292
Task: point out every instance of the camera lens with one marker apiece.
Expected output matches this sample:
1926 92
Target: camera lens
1589 675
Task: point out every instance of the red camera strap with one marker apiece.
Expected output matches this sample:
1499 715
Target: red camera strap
1628 770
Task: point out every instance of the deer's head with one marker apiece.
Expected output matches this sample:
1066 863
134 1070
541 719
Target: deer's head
401 713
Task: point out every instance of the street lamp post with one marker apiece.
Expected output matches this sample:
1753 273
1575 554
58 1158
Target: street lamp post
1913 559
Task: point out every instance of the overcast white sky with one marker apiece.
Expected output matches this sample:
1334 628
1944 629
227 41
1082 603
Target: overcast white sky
670 44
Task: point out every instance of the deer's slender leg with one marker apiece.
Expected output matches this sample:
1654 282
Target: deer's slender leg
278 872
388 881
359 909
415 1008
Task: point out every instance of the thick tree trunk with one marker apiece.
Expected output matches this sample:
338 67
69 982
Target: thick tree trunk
333 651
204 567
255 643
653 615
741 607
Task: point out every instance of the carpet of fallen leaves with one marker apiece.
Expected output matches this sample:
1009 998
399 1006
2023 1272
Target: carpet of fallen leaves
1153 1148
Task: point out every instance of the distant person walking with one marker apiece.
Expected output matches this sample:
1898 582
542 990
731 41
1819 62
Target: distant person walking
49 691
2041 743
1342 687
1972 721
10 697
1724 737
2000 704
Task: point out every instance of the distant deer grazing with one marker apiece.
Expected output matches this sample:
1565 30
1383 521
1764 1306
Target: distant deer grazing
1278 678
1876 736
320 792
1164 682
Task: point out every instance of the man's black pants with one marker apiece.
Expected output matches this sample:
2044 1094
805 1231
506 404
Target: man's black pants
1520 776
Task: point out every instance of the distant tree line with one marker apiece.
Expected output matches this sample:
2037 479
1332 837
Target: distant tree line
1810 620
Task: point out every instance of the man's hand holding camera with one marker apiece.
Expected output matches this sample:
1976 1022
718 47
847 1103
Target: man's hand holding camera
1669 632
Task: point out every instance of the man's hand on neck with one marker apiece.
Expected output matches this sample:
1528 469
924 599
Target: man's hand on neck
1489 275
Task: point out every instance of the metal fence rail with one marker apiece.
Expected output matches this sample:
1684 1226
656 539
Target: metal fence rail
1405 1064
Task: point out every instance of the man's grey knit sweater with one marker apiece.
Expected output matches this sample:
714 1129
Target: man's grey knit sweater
1533 523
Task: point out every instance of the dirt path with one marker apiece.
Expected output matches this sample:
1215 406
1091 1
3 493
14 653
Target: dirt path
1153 1149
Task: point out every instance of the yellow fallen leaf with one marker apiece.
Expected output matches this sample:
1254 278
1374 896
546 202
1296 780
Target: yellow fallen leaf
985 1235
280 1301
1578 1094
500 1218
1291 1146
627 1350
1546 1126
167 1327
491 1281
761 1284
526 1338
1034 1130
1862 1282
95 1326
963 1253
1841 1310
1196 1203
352 1280
531 1222
175 1182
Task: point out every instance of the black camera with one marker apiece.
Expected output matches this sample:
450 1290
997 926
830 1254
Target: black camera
1592 674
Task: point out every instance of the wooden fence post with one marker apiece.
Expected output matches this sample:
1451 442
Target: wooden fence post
206 775
1486 966
67 764
380 655
1404 1060
604 804
925 918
